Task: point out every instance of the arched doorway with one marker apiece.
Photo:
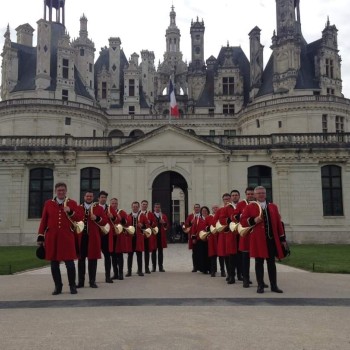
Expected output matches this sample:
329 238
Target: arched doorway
170 190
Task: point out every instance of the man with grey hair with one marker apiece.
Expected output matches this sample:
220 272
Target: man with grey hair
266 237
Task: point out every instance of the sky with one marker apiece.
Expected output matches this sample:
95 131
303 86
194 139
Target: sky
141 25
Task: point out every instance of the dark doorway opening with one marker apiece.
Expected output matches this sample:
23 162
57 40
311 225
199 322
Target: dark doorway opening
171 191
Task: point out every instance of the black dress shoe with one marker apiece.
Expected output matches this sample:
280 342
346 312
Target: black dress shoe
246 283
140 273
57 290
276 290
121 277
153 269
80 285
213 274
73 290
148 271
115 277
240 278
161 269
194 270
260 290
231 280
109 280
265 285
93 285
128 274
223 274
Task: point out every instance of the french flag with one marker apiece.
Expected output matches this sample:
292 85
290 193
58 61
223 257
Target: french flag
174 110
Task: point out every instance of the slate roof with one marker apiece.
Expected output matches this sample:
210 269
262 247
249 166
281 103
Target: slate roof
239 59
306 78
27 60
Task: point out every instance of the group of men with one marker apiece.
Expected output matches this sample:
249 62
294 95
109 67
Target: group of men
234 233
69 231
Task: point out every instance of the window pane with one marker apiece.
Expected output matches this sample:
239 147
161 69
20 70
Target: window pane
40 189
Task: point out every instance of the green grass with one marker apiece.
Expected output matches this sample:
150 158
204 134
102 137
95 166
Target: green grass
16 259
330 258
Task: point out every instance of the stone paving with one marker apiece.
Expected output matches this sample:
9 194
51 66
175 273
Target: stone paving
176 310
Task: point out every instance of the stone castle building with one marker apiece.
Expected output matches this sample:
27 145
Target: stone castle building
101 121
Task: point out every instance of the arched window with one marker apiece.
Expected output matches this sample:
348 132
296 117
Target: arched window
136 133
40 190
116 133
260 175
332 192
89 181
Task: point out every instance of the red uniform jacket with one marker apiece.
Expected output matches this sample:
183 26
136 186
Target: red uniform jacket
92 229
191 224
162 229
212 238
152 239
221 235
243 241
139 235
258 245
121 244
225 217
111 236
58 231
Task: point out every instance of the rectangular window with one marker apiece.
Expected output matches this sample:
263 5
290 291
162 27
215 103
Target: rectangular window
280 124
332 192
228 109
211 132
228 86
131 87
339 124
329 68
82 52
40 189
65 95
65 68
68 121
330 91
230 132
131 110
104 90
324 123
211 111
258 123
90 67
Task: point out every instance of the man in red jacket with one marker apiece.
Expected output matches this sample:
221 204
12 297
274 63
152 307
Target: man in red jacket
90 240
56 233
136 243
160 237
266 237
244 241
190 227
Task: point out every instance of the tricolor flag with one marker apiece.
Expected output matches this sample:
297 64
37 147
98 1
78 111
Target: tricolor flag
174 111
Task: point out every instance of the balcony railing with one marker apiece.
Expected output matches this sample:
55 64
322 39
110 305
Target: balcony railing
273 141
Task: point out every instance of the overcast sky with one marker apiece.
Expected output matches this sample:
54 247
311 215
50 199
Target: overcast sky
141 24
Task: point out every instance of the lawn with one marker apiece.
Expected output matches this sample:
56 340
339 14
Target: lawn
331 258
15 259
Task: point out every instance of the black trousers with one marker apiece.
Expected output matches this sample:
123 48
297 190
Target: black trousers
139 261
56 272
159 250
147 254
271 265
108 256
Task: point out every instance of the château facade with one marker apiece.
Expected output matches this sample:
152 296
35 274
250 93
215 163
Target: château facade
101 121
